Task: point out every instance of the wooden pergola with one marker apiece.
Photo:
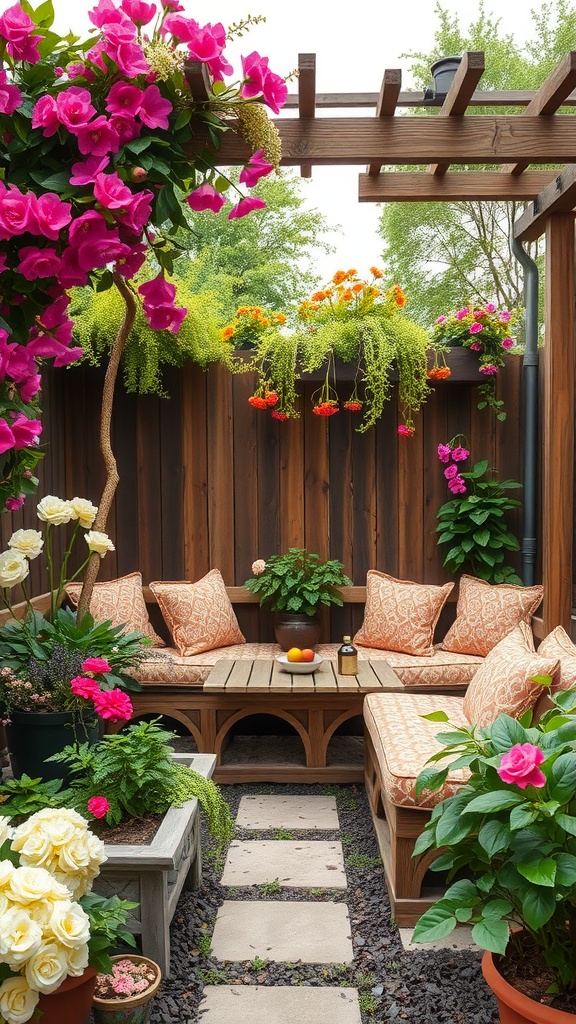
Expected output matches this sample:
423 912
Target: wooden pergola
510 144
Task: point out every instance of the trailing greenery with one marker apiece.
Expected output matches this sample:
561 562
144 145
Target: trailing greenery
474 529
297 582
134 771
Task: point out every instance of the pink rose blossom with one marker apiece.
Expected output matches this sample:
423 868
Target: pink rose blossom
183 29
15 504
6 437
260 81
519 766
25 431
457 485
111 192
35 262
113 705
10 95
45 115
246 206
444 452
451 471
257 168
490 307
459 454
15 24
89 227
80 71
140 12
206 198
476 328
258 566
74 108
105 250
125 127
124 98
130 59
505 316
98 137
84 172
16 212
98 806
154 109
508 343
83 686
70 274
137 213
96 665
51 214
489 370
207 45
105 13
462 313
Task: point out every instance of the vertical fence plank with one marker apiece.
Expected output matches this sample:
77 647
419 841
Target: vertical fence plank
195 459
172 477
220 473
245 470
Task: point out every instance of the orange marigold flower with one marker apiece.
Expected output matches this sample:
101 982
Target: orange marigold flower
339 276
328 292
318 296
280 318
357 288
351 273
347 295
376 272
228 332
398 295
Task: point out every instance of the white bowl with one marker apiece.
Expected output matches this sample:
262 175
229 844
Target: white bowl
298 667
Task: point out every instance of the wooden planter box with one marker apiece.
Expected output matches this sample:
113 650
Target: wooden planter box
154 874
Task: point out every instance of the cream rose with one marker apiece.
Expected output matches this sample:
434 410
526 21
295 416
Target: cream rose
6 831
54 510
36 849
47 968
29 884
7 869
20 936
69 924
84 511
74 855
258 566
14 568
28 542
17 1000
99 542
77 960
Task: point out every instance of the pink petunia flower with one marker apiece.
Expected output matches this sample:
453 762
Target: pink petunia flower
84 172
165 317
206 198
257 168
505 316
462 313
36 262
440 319
141 13
476 346
98 138
183 29
45 115
51 214
490 307
260 81
10 95
130 59
476 328
508 343
111 192
125 127
489 370
158 291
74 108
137 212
246 206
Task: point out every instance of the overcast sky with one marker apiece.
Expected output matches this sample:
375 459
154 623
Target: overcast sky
352 51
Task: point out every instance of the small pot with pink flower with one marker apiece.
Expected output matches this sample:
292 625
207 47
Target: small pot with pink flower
125 995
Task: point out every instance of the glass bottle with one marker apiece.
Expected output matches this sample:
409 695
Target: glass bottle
347 658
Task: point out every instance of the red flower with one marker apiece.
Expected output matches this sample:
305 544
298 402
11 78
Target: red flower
271 399
325 408
404 430
258 402
353 406
279 415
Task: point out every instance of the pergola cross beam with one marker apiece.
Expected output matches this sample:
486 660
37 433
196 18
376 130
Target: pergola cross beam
558 197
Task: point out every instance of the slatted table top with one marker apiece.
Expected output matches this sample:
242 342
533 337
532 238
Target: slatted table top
264 675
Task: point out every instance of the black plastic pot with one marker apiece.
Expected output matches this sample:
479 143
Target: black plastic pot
32 737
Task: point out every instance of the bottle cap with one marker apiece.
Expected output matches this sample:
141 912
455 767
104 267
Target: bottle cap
347 639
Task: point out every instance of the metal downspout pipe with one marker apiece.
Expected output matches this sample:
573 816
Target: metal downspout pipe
530 365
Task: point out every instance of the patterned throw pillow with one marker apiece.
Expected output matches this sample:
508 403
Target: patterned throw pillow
400 615
504 684
486 613
559 645
198 615
121 601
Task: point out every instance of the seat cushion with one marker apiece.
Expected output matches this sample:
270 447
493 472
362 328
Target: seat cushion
486 613
403 741
121 601
199 615
559 645
505 683
400 615
168 666
236 652
440 669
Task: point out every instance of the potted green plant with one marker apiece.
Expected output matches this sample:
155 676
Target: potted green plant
295 584
472 524
510 834
125 994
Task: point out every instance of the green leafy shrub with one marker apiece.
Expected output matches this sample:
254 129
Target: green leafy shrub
297 581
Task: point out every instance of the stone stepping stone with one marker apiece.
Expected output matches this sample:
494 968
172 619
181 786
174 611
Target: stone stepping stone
297 812
311 864
279 1004
312 933
460 938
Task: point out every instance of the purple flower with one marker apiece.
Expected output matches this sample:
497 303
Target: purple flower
451 471
459 454
444 452
490 370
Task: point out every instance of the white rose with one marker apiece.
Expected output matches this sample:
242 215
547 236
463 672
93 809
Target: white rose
74 884
6 830
41 912
74 855
27 542
20 937
17 1000
54 510
70 924
258 566
14 568
62 814
77 960
59 831
29 884
84 511
7 869
36 849
99 542
47 968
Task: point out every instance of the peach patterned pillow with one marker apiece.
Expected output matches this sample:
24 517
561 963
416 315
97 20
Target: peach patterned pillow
198 615
559 645
400 615
504 684
121 601
486 613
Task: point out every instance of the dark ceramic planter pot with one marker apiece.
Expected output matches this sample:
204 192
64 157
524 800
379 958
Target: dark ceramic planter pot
292 630
516 1008
32 737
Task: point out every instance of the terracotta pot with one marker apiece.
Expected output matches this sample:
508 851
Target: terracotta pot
516 1008
129 1009
293 630
71 1002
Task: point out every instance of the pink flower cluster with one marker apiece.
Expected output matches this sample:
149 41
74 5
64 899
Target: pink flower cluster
113 705
451 455
17 29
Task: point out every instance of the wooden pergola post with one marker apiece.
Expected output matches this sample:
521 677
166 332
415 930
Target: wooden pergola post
558 422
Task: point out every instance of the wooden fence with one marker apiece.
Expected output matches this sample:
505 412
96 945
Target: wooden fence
207 481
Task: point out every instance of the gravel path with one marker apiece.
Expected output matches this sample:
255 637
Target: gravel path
426 987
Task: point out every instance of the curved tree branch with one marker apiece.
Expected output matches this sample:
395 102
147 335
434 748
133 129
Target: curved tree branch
112 477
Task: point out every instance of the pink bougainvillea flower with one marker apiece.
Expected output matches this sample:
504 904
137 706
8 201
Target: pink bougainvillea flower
15 24
183 29
508 343
459 454
36 262
137 212
74 108
96 665
104 250
113 705
457 485
260 81
246 206
30 387
207 45
51 214
476 328
83 686
6 437
70 275
111 192
140 12
27 50
444 452
45 115
519 766
165 317
10 95
15 504
98 138
98 806
451 471
88 227
154 109
105 13
257 168
84 172
490 370
25 431
206 198
158 291
129 265
124 98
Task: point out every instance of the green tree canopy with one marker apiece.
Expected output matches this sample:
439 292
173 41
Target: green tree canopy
444 254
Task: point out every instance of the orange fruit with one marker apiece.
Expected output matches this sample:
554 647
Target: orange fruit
294 654
307 654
